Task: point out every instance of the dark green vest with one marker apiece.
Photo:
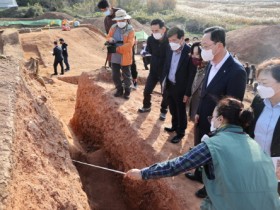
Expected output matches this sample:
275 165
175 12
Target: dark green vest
244 175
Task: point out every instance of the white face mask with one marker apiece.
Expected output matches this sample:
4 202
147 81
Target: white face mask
107 12
212 128
121 24
207 55
157 36
174 46
265 92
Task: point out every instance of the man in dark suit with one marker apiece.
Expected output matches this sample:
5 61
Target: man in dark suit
178 76
58 58
157 45
225 76
65 53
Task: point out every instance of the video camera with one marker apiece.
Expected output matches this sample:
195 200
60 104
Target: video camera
112 46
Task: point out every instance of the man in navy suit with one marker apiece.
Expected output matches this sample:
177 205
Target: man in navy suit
225 76
178 76
58 58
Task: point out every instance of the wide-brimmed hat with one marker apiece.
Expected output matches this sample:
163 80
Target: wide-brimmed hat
122 15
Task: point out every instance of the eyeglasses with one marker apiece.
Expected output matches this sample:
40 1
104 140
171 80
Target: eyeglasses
209 118
203 47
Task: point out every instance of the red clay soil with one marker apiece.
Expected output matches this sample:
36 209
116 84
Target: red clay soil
43 176
131 140
255 44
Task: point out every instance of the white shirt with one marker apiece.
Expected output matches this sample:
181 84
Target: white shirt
174 65
265 125
215 68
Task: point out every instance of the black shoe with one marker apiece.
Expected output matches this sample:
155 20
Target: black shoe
170 129
119 93
201 193
176 139
53 74
126 94
143 109
162 116
61 73
191 176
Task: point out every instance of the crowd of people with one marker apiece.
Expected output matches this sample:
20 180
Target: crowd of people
236 168
202 81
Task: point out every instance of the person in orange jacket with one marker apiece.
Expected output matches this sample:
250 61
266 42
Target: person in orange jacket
121 40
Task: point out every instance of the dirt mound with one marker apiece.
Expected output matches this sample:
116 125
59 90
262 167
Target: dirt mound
11 43
36 167
99 23
43 173
54 15
255 44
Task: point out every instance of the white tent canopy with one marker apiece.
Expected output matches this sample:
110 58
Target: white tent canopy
8 3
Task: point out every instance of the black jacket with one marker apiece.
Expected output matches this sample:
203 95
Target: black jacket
258 106
57 53
185 72
158 50
229 81
64 50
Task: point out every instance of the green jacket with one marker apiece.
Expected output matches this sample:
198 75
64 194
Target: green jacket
244 175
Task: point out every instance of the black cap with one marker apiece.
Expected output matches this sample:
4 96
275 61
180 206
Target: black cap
103 4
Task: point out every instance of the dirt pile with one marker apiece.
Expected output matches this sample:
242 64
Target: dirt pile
8 86
11 43
55 15
255 44
43 174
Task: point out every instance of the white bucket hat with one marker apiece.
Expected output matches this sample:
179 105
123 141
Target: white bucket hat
122 15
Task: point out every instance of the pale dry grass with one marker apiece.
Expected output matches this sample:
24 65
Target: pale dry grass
232 13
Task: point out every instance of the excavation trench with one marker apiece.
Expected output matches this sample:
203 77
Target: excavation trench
110 136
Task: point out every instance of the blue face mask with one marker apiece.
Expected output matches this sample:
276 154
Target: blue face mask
107 12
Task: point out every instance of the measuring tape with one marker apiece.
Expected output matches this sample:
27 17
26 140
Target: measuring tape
107 169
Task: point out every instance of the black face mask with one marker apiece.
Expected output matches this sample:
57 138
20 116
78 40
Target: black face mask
197 61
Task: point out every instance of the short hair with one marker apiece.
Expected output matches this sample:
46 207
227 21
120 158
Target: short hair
217 34
196 44
159 22
55 42
272 66
61 40
175 30
103 4
233 111
187 39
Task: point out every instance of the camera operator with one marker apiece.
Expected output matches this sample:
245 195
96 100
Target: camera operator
121 40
